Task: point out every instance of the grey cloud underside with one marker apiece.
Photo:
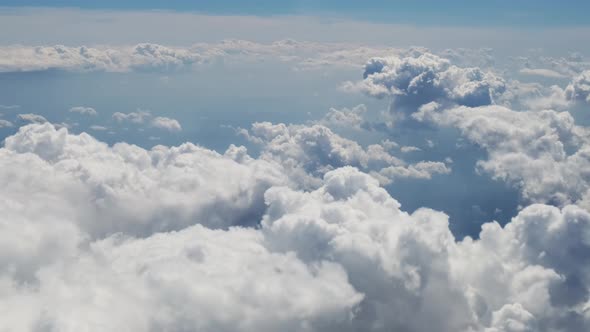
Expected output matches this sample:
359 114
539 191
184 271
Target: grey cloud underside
97 237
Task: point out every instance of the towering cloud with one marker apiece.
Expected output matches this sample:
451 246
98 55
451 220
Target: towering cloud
424 77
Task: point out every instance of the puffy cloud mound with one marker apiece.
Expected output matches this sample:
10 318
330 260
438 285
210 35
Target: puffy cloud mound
424 77
135 117
410 266
579 89
308 152
83 110
195 279
32 118
166 123
96 237
345 118
544 153
125 188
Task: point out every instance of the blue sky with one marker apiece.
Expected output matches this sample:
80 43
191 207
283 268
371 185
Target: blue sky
431 12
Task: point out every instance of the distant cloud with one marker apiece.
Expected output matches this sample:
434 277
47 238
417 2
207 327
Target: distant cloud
166 123
579 89
303 55
344 118
406 149
421 77
542 72
98 128
9 107
83 110
5 123
84 59
140 116
32 118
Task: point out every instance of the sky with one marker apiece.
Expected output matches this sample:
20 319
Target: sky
294 166
421 12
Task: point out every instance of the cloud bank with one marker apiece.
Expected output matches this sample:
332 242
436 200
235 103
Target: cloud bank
101 237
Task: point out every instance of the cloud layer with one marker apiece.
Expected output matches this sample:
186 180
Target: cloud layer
97 237
302 235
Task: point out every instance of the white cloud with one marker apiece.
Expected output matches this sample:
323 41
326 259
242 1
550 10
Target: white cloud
95 237
99 128
126 188
406 149
142 116
543 153
579 89
301 54
114 59
344 118
308 152
541 72
421 170
5 123
422 77
166 123
149 56
139 116
83 110
9 107
33 118
538 63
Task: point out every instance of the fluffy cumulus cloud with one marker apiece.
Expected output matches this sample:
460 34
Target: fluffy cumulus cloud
423 77
579 89
303 236
166 123
99 237
543 153
144 190
309 151
345 118
83 110
32 118
417 77
142 116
